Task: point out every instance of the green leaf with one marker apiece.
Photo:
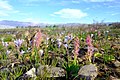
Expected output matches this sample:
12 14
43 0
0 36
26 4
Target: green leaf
97 55
108 58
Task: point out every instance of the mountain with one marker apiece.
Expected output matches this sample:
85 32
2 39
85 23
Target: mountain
16 23
13 24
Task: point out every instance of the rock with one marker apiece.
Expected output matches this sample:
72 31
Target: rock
43 71
16 67
117 63
89 72
113 78
31 72
51 71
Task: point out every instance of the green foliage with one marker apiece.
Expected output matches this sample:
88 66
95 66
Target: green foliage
3 56
4 75
97 55
1 47
115 25
54 55
16 73
71 67
8 39
107 57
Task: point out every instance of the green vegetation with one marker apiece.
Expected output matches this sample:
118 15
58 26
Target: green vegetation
22 49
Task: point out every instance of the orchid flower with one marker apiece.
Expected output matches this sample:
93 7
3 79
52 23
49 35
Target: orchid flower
18 42
90 47
59 42
41 52
47 40
92 35
8 52
99 33
5 44
89 40
37 39
65 45
68 37
76 46
22 52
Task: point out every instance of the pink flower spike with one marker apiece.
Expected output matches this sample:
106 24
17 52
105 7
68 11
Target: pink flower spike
76 46
89 40
90 47
37 40
99 33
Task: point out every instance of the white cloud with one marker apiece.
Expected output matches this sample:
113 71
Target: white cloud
70 13
115 14
33 1
75 1
3 13
99 0
5 5
66 2
40 0
6 8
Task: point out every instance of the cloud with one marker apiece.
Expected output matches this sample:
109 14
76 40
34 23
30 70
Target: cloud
75 1
65 2
33 1
3 13
68 2
99 0
5 5
70 13
113 14
41 0
6 8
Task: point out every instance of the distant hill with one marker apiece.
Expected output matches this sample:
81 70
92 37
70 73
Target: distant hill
13 24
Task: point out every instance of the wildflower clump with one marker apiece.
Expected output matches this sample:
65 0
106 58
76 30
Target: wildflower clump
90 47
76 47
37 39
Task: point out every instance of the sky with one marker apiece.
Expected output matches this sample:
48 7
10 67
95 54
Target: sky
60 11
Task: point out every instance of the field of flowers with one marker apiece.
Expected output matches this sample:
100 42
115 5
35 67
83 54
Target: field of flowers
65 53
